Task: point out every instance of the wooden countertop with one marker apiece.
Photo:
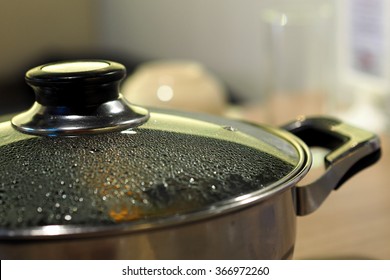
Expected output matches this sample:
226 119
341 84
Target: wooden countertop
354 221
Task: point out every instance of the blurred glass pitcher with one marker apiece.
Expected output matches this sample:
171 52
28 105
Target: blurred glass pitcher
300 49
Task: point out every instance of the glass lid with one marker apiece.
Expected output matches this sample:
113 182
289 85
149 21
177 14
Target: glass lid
165 165
171 165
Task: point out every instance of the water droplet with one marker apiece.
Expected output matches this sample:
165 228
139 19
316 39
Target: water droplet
57 205
39 209
68 217
230 128
93 150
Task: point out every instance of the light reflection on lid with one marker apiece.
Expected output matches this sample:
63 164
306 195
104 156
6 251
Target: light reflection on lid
77 66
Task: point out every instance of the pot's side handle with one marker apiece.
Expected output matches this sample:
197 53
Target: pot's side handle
351 150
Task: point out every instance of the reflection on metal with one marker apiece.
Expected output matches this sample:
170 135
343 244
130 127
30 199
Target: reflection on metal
59 121
352 149
76 98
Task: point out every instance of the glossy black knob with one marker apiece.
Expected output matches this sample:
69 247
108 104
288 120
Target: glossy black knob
78 97
76 83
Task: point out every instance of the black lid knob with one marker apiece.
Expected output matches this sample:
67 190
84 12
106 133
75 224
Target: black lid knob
78 97
76 83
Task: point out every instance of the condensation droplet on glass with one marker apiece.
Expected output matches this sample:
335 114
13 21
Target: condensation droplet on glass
57 205
39 209
230 128
68 217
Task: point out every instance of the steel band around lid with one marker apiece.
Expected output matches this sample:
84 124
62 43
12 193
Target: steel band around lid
114 115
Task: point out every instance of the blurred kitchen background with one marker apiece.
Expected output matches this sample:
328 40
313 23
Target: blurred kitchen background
263 60
325 56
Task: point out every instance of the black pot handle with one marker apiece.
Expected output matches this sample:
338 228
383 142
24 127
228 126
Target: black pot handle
351 150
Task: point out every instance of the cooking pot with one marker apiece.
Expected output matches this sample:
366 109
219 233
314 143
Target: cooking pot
87 175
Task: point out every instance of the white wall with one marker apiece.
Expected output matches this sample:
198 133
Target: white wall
225 35
222 34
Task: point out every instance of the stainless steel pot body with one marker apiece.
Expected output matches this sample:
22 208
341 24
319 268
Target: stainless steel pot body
265 230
